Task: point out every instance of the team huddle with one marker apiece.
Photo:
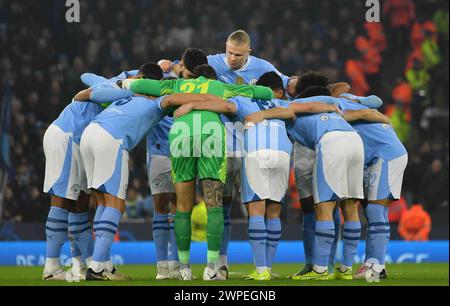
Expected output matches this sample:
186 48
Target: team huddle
206 118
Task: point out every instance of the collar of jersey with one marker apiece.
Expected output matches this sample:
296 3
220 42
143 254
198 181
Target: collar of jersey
242 68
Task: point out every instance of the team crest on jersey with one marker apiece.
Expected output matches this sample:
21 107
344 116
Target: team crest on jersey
76 188
156 183
239 80
324 117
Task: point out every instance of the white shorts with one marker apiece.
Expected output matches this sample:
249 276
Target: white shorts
304 160
64 171
234 165
383 180
105 160
159 169
265 176
339 169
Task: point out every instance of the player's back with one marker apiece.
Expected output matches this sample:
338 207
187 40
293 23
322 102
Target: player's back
309 129
131 119
198 86
270 134
379 139
75 118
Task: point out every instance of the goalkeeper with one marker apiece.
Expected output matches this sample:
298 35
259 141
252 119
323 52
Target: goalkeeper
198 150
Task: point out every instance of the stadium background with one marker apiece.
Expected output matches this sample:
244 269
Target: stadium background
42 56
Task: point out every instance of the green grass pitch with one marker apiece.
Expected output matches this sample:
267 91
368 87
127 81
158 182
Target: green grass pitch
143 275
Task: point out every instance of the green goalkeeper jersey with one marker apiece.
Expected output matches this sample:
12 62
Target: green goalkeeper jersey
200 86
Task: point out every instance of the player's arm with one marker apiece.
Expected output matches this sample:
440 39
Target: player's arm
369 115
102 95
337 89
83 95
322 99
372 102
91 79
177 100
274 113
152 87
105 95
215 105
166 65
248 91
314 108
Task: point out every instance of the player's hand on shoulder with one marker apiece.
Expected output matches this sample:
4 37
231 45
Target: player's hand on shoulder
254 118
145 96
335 109
165 65
183 110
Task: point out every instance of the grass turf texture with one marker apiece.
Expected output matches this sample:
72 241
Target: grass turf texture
144 275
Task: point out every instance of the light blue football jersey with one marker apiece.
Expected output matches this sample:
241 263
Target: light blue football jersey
248 74
309 129
91 79
131 119
76 117
271 134
158 138
380 140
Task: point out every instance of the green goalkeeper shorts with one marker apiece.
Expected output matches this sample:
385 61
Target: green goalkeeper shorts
201 156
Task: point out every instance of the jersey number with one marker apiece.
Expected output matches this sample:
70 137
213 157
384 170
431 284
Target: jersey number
191 87
264 105
123 101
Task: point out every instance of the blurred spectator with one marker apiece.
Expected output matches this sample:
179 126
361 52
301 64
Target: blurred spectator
419 31
355 72
418 77
401 13
441 20
402 93
133 203
434 186
415 224
400 120
431 52
371 63
377 38
397 209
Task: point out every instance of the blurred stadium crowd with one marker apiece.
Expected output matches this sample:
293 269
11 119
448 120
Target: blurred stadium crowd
404 60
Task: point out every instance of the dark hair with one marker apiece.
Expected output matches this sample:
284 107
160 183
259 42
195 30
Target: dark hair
272 80
193 58
151 70
315 91
205 71
311 78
